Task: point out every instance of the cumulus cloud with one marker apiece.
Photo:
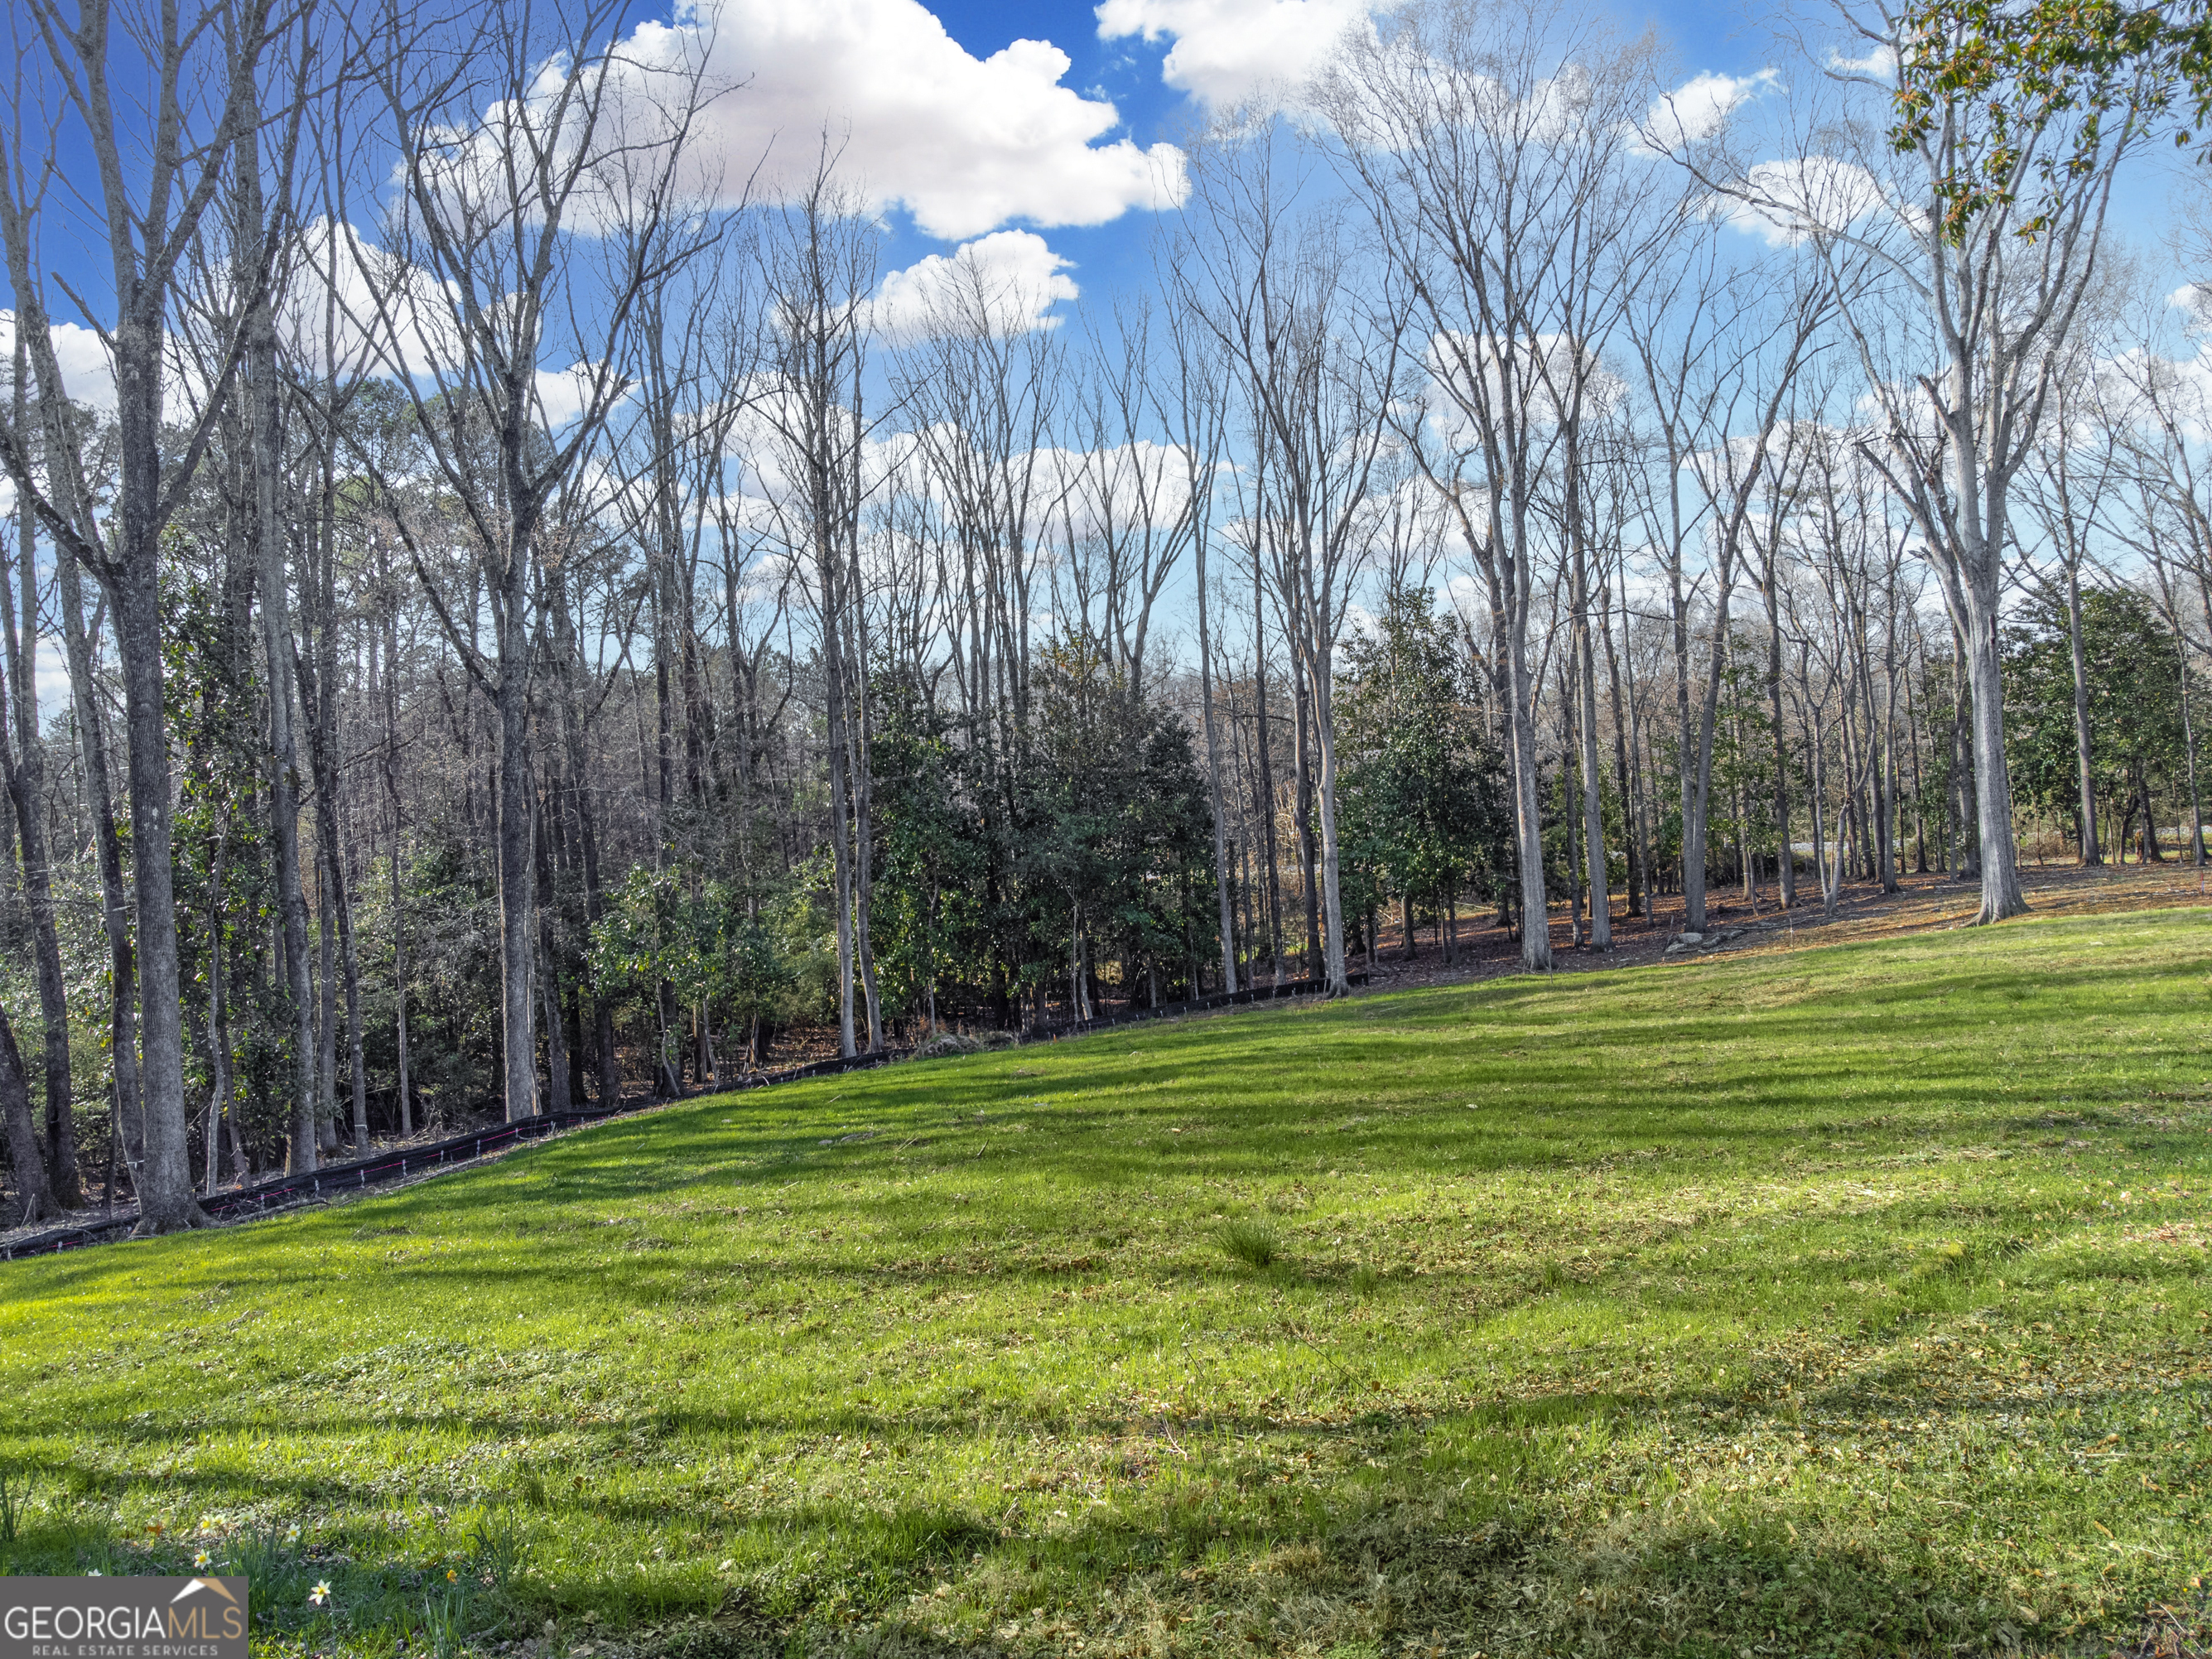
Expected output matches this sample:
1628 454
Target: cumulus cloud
965 145
1007 281
87 370
1785 202
49 657
348 305
764 476
2181 385
1700 107
1115 490
564 394
1538 370
1226 51
1878 64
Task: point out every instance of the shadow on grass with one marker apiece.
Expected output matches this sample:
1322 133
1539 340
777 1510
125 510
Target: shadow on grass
1518 1575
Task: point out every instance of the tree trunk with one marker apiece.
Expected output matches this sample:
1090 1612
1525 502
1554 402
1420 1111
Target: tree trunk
1919 782
1698 785
2153 854
606 1053
26 769
115 906
1528 815
284 823
326 1011
2000 893
1593 768
219 1107
2189 759
322 686
1966 860
1817 746
1685 766
399 896
167 1201
1785 863
266 525
841 833
859 758
1263 786
1305 809
32 1187
1224 898
1331 891
2084 767
1883 733
1632 815
517 837
557 1040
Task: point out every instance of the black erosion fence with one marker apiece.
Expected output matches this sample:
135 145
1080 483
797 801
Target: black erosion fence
407 1162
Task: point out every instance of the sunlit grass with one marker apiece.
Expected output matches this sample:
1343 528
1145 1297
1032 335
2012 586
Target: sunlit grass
1846 1302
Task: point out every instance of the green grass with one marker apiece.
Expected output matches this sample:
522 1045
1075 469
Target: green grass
1849 1302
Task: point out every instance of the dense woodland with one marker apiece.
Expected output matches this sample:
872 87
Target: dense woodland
526 623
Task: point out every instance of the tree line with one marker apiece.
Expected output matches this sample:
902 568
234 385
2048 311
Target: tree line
525 617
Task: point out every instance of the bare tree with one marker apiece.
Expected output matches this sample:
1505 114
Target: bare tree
24 763
1961 333
510 278
1493 153
1267 269
155 185
2080 463
821 272
1198 418
981 391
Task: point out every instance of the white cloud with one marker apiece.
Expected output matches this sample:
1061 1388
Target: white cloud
1879 63
2182 386
1008 281
1700 107
1116 490
1463 593
965 145
1784 201
764 477
563 394
1227 51
49 657
1542 369
350 305
85 369
50 660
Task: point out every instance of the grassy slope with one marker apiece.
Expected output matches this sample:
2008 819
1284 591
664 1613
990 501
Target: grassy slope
1852 1301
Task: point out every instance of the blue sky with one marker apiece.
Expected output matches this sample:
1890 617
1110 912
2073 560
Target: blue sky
1039 134
1726 39
1128 70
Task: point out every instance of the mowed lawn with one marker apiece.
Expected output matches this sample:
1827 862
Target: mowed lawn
1853 1301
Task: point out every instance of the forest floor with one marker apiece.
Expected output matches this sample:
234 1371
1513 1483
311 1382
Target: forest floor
1924 902
1849 1302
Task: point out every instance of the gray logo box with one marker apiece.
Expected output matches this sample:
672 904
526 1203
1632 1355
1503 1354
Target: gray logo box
122 1619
